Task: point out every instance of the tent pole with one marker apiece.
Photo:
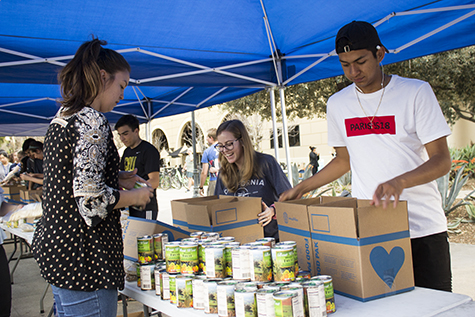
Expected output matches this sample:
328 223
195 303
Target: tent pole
285 134
196 176
274 123
149 121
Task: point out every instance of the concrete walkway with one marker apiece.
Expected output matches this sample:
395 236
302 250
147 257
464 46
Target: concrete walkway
29 286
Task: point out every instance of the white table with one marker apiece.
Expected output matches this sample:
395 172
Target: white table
419 302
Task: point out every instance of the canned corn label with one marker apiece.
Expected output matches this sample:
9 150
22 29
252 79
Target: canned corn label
189 258
159 240
173 294
184 289
284 263
145 249
214 259
172 257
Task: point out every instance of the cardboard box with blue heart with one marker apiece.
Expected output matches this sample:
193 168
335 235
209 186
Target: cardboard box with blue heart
366 249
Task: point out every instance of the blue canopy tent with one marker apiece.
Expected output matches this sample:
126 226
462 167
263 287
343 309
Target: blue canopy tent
186 55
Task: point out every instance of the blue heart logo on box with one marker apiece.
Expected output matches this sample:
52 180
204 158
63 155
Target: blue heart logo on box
387 265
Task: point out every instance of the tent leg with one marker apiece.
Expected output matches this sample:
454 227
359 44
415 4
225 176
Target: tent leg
285 134
196 175
274 123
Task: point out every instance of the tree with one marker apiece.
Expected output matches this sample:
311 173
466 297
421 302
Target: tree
449 73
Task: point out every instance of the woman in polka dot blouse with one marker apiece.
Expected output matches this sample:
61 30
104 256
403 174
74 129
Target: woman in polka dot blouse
78 240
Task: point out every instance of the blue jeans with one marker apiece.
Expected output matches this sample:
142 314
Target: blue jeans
101 303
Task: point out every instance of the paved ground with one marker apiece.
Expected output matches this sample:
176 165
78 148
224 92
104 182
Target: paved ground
28 286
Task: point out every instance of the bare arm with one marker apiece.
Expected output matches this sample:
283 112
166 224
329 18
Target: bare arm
204 174
33 179
438 165
154 179
333 170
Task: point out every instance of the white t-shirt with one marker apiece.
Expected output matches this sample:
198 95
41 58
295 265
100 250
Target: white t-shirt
409 117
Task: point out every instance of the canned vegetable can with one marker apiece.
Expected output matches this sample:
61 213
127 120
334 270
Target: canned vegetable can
314 298
261 262
164 285
329 293
214 261
159 240
145 249
210 295
283 260
265 302
184 289
245 303
225 297
286 304
147 277
189 258
172 257
198 292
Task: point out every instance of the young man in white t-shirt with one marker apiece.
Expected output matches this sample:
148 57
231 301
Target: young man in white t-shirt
391 133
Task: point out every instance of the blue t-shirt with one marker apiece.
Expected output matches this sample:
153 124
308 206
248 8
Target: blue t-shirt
269 187
210 155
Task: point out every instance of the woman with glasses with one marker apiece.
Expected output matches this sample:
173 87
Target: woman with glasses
247 173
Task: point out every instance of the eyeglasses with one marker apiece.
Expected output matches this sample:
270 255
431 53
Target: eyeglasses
228 146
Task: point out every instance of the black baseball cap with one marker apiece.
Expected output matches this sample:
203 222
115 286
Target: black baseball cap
357 35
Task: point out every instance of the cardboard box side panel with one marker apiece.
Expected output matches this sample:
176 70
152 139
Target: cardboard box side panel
137 227
235 211
343 263
345 203
198 215
179 214
387 268
196 199
292 215
329 199
244 234
332 221
374 221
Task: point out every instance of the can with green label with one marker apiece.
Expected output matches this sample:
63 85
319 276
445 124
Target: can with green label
172 257
283 259
228 257
210 295
299 306
296 256
214 261
269 241
245 303
145 249
261 262
329 293
189 258
198 291
225 297
164 285
184 289
286 304
265 302
159 240
158 268
314 298
173 293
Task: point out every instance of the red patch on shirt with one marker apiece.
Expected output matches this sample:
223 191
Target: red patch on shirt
362 126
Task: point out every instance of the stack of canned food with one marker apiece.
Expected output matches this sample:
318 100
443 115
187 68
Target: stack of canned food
221 276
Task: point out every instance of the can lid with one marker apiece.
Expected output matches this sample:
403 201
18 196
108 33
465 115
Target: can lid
266 290
144 237
285 294
228 282
261 247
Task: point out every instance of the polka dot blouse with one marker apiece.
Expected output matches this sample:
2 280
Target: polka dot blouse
78 240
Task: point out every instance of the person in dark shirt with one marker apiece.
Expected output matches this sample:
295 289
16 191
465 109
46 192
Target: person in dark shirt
144 157
314 157
247 173
35 176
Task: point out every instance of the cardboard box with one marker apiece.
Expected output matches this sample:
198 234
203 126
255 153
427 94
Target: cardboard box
366 249
12 191
30 196
294 226
138 227
179 212
228 215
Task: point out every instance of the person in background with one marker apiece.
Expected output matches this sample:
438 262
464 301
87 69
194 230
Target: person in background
314 157
247 173
4 164
27 160
19 157
35 178
209 163
189 167
5 283
391 132
144 157
77 242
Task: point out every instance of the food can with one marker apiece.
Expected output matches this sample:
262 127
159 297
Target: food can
164 285
241 262
196 240
225 297
158 268
276 284
265 302
296 256
283 260
214 261
147 277
254 244
245 303
261 263
184 290
271 287
304 274
314 298
201 254
210 295
196 234
210 235
226 239
159 240
173 293
139 185
329 293
172 257
247 285
145 249
269 241
300 297
189 258
228 257
286 304
198 291
139 282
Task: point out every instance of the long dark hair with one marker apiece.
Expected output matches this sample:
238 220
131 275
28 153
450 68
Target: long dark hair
228 172
81 78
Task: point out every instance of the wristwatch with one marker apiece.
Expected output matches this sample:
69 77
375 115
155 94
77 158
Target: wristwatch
201 187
